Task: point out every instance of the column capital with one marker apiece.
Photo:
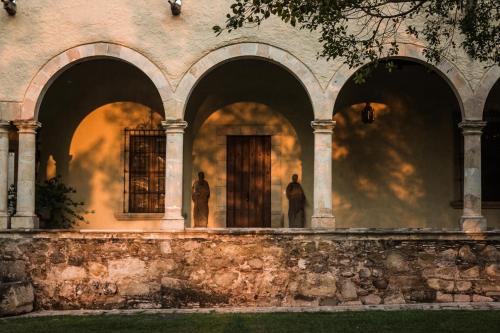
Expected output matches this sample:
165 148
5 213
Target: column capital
27 126
323 125
472 127
174 125
4 126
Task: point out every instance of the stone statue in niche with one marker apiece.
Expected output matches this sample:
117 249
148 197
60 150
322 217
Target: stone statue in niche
200 196
296 203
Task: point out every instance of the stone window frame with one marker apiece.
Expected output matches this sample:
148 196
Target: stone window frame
222 132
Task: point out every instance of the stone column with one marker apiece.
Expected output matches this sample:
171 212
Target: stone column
173 219
472 219
323 211
4 168
25 217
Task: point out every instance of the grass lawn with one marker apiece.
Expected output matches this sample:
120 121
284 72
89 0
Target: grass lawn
373 321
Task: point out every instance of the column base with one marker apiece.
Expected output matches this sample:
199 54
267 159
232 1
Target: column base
172 224
24 222
473 223
4 222
323 222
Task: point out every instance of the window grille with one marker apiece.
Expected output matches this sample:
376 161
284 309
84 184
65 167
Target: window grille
144 171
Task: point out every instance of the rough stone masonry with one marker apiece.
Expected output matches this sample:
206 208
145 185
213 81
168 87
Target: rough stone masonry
85 270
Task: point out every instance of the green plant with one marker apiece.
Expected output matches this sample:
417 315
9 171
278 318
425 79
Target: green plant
55 206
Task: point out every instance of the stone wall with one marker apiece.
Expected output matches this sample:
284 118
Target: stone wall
97 270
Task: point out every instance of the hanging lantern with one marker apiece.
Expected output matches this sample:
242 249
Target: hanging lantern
367 115
10 6
175 6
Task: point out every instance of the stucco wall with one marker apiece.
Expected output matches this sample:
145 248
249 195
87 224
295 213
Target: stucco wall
248 119
46 28
42 29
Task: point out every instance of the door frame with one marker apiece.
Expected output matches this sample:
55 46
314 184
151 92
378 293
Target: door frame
277 217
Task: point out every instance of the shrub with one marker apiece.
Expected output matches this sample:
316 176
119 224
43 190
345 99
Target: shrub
55 206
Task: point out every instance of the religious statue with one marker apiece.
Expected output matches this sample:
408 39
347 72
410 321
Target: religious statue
200 196
296 202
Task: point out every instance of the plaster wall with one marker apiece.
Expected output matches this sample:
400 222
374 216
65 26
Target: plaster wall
42 29
400 171
209 151
403 169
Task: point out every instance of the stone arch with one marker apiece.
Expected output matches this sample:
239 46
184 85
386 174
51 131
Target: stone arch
484 88
447 70
245 50
55 66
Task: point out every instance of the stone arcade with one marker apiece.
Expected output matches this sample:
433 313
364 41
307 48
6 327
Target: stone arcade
405 209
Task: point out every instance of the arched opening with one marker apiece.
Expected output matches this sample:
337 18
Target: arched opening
248 98
491 158
84 114
403 169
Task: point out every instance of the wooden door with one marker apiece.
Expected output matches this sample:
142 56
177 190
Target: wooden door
249 181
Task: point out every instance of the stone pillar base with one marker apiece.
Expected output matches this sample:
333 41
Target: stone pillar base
172 224
473 223
323 222
4 222
24 222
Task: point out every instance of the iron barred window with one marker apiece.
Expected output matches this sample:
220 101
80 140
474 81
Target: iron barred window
144 171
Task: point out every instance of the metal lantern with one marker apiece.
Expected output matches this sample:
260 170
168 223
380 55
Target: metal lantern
10 6
175 6
367 115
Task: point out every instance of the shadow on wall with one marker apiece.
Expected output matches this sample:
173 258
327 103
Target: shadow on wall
96 165
397 171
245 117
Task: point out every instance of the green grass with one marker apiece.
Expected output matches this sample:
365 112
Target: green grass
372 321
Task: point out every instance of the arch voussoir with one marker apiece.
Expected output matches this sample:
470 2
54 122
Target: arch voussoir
50 71
247 50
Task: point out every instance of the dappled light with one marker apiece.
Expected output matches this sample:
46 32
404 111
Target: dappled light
397 171
96 167
209 150
51 171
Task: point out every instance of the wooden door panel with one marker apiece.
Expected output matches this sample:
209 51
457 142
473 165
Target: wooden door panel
248 181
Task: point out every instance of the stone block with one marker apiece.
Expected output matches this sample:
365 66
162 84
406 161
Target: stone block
160 267
439 284
12 271
466 254
318 285
471 273
16 298
123 268
490 286
24 222
171 283
371 300
396 262
480 299
443 298
404 282
348 290
73 273
165 247
461 298
130 287
490 253
449 255
493 271
463 286
394 299
225 279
